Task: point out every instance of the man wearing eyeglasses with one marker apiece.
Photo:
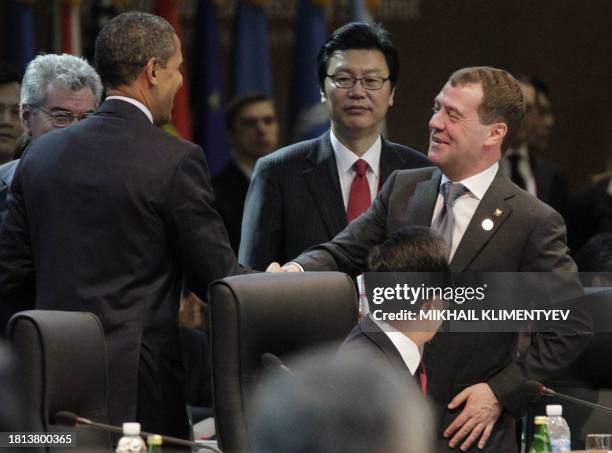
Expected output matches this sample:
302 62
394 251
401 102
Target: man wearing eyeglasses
56 91
308 192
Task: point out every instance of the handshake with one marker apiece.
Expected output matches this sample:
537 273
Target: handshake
289 267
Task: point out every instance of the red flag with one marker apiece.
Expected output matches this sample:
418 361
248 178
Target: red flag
69 24
181 111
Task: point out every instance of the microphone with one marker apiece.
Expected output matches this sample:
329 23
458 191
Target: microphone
272 363
536 389
70 419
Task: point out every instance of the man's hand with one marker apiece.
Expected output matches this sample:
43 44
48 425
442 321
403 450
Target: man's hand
481 411
289 267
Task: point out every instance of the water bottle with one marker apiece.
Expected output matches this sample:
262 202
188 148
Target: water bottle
558 431
541 442
131 442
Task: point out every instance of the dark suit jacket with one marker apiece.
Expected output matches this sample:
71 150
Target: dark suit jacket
367 338
7 172
527 236
295 200
551 183
109 216
231 186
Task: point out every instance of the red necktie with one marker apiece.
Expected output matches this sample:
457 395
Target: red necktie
422 378
360 197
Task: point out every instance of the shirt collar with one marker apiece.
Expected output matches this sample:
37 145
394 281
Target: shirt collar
477 184
410 352
136 103
345 158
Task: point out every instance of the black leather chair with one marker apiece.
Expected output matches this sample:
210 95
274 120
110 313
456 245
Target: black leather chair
62 367
277 313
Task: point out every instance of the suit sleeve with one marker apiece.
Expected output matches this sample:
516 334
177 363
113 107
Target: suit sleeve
553 350
16 262
348 251
199 232
262 222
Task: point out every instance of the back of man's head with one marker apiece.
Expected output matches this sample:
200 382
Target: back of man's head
411 249
502 99
340 403
361 36
65 71
127 42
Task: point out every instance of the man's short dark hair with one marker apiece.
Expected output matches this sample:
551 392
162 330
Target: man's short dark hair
411 249
359 35
8 74
127 42
235 106
502 99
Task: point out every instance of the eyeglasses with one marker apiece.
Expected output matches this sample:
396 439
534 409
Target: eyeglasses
347 81
63 119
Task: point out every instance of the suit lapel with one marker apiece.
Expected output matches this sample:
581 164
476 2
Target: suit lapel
419 210
390 160
492 212
323 183
371 330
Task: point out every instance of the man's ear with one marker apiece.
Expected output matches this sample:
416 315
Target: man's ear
497 132
150 71
323 97
392 96
25 115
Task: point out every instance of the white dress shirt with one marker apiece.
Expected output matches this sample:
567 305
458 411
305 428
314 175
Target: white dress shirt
345 159
410 352
466 205
134 102
524 168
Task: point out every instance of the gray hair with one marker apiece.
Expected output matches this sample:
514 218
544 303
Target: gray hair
66 70
127 42
340 403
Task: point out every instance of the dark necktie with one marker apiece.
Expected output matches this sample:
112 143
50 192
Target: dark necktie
445 223
359 197
516 177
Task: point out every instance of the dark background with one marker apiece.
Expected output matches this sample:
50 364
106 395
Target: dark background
567 43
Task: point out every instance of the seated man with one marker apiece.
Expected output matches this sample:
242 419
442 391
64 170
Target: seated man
411 249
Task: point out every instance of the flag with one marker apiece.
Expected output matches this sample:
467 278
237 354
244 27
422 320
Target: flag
308 117
19 40
181 110
360 11
251 58
67 17
101 11
208 88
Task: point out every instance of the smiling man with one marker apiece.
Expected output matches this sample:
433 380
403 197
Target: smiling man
306 193
491 225
112 215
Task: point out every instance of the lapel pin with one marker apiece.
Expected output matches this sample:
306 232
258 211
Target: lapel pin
487 224
497 212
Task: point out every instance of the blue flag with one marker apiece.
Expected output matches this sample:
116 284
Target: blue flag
307 115
359 11
251 58
19 39
207 88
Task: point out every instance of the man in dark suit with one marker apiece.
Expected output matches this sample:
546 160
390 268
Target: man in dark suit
523 162
252 124
400 342
11 127
490 225
112 214
306 193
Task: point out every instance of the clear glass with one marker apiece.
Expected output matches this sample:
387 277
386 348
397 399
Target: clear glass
599 442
